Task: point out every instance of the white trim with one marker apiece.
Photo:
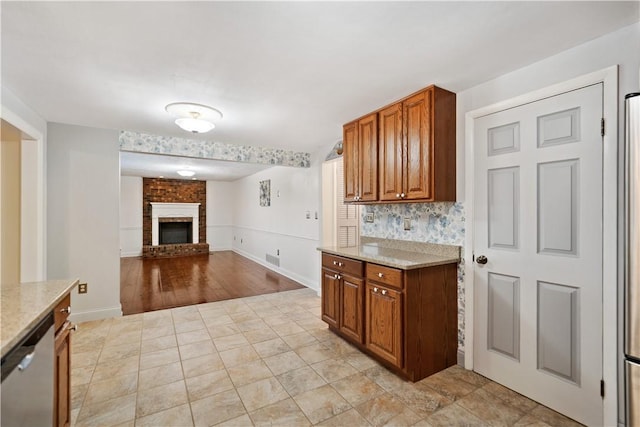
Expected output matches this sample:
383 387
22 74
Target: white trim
275 232
286 273
103 313
176 210
130 254
41 214
609 78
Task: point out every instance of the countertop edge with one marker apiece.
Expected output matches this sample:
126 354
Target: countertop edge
440 261
9 344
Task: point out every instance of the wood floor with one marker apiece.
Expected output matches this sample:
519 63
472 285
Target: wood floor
148 284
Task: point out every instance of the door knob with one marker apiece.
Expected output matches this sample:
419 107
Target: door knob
481 259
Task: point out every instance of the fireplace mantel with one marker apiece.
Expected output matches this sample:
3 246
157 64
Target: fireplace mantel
175 210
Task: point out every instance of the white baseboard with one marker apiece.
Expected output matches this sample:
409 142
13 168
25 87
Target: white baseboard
293 276
103 313
130 254
221 249
461 358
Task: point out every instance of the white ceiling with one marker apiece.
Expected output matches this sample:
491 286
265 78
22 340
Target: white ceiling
284 74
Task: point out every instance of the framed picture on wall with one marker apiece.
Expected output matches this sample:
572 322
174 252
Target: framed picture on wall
265 193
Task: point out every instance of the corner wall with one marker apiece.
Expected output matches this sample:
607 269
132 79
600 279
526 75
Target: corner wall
130 216
83 199
282 227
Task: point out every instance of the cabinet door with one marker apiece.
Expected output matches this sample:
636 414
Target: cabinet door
350 161
330 297
383 333
418 146
390 152
352 314
62 386
368 149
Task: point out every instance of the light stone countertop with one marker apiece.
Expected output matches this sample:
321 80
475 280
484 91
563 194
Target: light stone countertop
23 305
398 253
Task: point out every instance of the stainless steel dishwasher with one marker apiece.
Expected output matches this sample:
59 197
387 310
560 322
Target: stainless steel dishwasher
26 391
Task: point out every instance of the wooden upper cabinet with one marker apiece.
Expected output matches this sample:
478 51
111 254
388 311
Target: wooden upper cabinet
415 144
390 152
368 147
360 155
351 161
417 163
418 144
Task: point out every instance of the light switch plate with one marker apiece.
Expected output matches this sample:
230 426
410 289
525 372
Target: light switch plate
407 224
368 217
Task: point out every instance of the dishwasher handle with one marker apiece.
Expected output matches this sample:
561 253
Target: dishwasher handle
26 361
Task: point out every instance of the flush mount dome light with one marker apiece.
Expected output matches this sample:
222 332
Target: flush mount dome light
195 118
185 173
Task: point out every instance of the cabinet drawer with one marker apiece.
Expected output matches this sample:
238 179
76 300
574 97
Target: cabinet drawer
387 275
343 265
61 312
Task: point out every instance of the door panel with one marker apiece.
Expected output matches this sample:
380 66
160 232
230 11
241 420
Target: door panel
350 159
368 152
330 297
503 333
352 308
384 323
390 152
419 146
538 221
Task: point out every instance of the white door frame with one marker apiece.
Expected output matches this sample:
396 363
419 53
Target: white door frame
33 224
609 78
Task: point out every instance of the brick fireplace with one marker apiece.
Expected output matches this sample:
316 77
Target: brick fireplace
169 204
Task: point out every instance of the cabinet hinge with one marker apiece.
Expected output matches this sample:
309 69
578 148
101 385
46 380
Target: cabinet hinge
473 257
602 388
602 126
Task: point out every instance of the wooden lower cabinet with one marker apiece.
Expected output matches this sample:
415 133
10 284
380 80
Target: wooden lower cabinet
62 374
351 319
62 364
384 323
330 297
405 319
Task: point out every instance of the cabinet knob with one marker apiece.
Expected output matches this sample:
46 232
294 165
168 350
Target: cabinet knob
335 262
397 195
340 264
73 328
66 310
402 195
384 292
375 289
335 276
339 277
380 275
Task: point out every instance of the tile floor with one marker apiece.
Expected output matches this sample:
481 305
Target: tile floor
266 360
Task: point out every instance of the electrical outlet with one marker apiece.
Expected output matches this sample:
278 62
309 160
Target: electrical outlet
407 224
82 288
308 215
368 217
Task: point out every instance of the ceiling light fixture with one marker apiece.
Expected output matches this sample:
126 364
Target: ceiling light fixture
185 173
195 118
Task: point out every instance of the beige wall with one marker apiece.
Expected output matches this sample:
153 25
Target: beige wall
10 160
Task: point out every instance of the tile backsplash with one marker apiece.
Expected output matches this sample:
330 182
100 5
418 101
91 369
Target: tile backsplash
442 222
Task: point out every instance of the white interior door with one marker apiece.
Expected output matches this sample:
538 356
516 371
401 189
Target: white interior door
348 215
538 221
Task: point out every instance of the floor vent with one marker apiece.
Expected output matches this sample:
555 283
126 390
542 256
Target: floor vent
273 260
